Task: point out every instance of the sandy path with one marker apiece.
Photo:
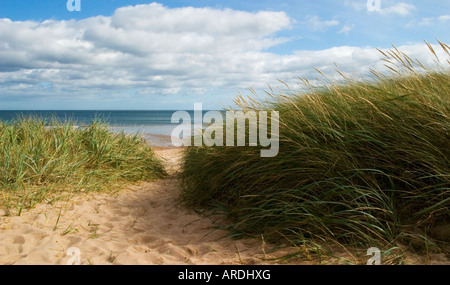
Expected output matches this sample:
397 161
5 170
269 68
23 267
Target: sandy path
141 225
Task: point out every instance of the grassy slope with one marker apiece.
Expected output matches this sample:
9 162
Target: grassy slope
36 161
360 164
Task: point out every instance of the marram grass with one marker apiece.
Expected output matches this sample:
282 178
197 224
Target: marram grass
41 161
360 163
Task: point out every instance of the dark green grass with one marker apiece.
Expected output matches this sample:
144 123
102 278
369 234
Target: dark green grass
39 162
361 163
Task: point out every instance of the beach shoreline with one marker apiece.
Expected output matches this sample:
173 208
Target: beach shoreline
159 141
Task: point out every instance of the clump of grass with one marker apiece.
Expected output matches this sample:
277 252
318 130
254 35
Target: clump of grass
38 158
361 163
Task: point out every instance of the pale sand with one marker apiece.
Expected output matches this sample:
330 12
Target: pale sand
140 225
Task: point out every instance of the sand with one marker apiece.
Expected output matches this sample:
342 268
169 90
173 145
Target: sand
142 224
139 225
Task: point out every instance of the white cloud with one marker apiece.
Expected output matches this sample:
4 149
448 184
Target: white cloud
427 21
358 6
152 50
316 24
430 21
444 18
401 9
345 29
182 46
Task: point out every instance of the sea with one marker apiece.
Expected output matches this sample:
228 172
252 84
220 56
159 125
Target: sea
154 125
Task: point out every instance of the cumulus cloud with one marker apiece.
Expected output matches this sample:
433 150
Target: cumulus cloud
145 45
155 50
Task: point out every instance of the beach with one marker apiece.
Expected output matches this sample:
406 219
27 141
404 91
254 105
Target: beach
187 133
142 224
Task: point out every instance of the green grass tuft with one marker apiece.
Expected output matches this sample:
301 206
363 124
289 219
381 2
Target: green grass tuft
361 163
39 158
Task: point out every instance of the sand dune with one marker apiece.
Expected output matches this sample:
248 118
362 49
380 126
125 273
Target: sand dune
140 225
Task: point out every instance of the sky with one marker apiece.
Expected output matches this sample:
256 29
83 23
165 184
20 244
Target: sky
168 55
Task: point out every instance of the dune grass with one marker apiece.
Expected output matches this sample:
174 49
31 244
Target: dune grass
47 160
361 164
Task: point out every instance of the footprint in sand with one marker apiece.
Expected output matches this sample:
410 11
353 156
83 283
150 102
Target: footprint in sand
143 225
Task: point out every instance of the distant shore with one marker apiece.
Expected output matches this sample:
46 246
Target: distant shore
158 141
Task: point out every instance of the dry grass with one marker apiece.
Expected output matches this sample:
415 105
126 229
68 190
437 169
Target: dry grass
361 164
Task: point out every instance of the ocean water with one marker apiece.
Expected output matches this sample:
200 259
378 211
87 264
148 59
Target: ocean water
156 126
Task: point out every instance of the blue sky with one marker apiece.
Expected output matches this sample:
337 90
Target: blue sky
130 54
